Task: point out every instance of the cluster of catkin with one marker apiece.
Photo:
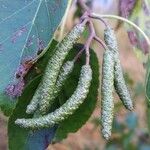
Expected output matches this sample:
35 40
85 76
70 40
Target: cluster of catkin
53 79
57 73
112 77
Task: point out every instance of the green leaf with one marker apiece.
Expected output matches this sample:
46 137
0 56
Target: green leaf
16 133
147 115
40 65
28 140
147 88
18 136
7 104
26 28
33 78
80 117
147 82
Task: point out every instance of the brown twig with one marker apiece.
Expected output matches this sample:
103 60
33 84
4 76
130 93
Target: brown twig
86 10
89 40
100 19
96 38
92 36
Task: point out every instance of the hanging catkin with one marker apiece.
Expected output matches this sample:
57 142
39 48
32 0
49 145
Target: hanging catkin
121 87
33 105
67 108
119 83
64 73
107 93
46 88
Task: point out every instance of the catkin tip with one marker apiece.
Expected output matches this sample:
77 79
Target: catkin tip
18 121
131 108
106 135
29 110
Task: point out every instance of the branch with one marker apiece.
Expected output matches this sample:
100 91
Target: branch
88 12
96 38
91 37
97 16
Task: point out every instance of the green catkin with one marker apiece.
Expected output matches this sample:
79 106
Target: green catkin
64 73
46 87
107 93
67 109
121 87
119 83
33 105
110 40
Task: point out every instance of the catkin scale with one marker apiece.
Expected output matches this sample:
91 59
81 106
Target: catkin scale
107 93
67 108
63 75
119 82
33 105
46 87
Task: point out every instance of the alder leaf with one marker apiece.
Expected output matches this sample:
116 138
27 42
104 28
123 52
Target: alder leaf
148 87
147 91
16 133
41 138
147 80
7 104
26 28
